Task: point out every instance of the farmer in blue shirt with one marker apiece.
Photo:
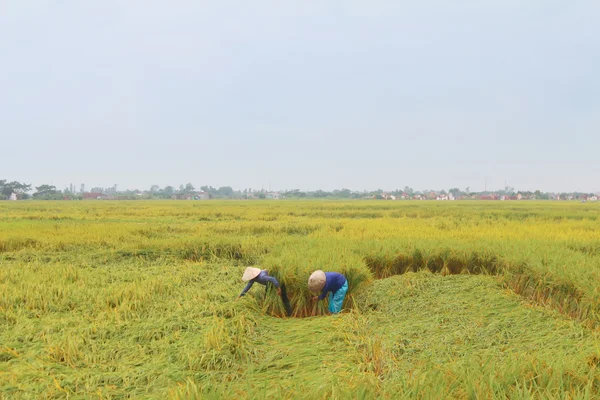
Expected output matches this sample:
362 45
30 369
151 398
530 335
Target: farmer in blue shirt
329 282
256 275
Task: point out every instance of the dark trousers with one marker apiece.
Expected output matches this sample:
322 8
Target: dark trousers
286 301
284 298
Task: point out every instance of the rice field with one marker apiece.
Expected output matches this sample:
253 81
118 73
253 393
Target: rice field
138 299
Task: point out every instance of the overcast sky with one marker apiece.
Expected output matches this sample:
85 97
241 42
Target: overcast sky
302 94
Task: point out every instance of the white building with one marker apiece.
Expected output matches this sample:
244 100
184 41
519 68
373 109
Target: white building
13 196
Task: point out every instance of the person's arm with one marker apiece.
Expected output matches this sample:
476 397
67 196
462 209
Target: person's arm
248 286
322 295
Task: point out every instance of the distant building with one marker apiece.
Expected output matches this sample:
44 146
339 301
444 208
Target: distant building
95 196
489 197
13 197
273 195
191 196
183 196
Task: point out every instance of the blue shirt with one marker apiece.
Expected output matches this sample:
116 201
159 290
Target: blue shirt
263 278
333 283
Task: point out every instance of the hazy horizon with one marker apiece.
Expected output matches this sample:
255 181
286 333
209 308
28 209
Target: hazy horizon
306 95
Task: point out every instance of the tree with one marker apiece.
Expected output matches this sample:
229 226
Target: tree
212 192
295 193
45 192
408 190
8 188
225 191
189 188
154 189
455 192
345 193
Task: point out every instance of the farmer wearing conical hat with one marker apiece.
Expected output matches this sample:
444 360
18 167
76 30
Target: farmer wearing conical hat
329 282
256 275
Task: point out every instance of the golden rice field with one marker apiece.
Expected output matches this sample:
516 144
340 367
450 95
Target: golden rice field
467 300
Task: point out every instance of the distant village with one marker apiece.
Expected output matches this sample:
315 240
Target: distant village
13 190
432 195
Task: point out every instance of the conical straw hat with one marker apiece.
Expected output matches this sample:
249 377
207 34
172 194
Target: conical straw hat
250 273
316 281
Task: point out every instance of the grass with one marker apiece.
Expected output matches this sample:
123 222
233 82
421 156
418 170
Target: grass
453 300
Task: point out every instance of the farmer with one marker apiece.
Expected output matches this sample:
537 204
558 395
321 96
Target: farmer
256 275
329 282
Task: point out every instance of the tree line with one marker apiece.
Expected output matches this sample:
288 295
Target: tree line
50 192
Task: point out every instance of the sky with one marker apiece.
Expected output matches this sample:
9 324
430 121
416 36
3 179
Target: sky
301 94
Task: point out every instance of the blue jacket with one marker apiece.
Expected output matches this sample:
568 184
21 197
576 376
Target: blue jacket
333 283
263 278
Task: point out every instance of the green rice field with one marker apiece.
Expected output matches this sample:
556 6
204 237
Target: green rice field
138 299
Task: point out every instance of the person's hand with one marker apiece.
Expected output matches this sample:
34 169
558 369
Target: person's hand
315 298
279 291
